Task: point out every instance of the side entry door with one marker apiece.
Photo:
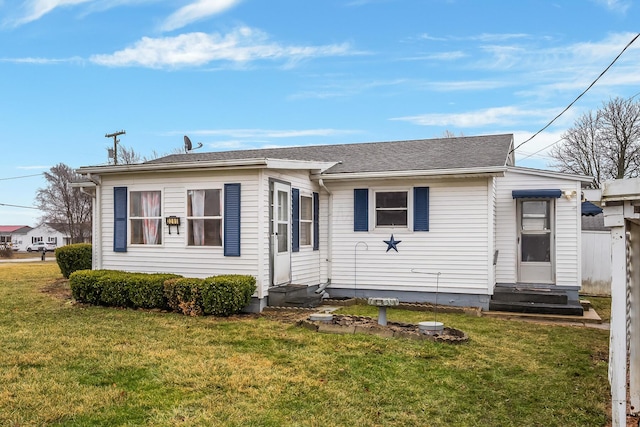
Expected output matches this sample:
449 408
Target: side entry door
281 233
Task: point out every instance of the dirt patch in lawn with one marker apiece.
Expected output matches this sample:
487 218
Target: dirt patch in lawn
58 289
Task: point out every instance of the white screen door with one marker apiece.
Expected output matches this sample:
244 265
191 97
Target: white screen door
281 237
536 241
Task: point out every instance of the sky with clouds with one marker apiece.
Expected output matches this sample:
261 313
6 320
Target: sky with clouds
237 74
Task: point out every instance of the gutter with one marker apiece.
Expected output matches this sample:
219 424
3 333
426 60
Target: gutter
323 286
434 173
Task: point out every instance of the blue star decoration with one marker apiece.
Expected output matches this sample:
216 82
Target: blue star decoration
392 244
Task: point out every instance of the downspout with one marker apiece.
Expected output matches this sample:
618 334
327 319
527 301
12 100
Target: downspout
96 226
324 285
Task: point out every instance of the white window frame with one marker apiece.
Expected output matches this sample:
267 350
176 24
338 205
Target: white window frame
373 216
220 217
307 223
131 218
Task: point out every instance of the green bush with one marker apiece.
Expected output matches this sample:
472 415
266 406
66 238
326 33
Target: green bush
218 295
74 257
85 285
227 294
147 290
183 295
120 289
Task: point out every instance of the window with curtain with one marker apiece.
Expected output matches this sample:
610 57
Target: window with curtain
306 220
145 217
204 218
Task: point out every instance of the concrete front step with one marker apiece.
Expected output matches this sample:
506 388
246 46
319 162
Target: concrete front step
572 308
304 302
293 295
530 295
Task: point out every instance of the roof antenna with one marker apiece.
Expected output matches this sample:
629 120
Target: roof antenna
188 146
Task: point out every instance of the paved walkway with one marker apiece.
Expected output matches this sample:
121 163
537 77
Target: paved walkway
34 259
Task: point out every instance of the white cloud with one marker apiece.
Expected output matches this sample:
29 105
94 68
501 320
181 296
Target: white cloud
487 117
36 9
196 11
242 45
41 61
615 5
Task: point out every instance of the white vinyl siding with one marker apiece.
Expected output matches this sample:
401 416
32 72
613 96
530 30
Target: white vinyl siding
567 226
306 263
456 245
174 255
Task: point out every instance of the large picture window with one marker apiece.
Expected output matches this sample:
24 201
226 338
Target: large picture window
145 217
391 208
204 218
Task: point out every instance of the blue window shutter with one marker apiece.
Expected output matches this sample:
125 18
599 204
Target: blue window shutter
232 220
295 220
120 219
421 209
316 221
361 209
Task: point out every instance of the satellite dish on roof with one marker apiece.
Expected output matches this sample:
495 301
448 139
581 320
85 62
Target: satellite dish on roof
188 146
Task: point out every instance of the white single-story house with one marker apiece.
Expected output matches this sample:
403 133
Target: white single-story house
446 219
47 232
14 235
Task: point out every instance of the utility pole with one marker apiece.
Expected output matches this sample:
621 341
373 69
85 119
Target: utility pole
115 143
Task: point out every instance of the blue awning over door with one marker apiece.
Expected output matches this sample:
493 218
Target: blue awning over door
589 209
536 194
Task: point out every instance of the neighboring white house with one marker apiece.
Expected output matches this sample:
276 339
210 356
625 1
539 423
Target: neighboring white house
15 235
48 233
359 219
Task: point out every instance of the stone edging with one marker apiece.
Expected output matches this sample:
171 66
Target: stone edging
367 325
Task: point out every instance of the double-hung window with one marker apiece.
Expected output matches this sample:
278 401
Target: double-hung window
391 208
145 218
306 220
204 218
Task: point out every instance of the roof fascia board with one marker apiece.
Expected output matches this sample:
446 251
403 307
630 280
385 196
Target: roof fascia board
215 164
435 173
550 174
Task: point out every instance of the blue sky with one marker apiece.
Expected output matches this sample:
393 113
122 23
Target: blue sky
237 74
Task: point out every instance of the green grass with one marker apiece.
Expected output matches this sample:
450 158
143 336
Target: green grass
67 365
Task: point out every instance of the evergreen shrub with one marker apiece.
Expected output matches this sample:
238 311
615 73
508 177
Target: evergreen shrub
74 257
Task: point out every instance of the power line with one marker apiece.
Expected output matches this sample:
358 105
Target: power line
24 176
579 96
542 149
18 206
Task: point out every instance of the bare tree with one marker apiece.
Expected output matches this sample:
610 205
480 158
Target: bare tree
65 205
450 134
127 156
604 144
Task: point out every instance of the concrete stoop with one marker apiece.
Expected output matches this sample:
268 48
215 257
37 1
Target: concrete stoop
293 295
534 300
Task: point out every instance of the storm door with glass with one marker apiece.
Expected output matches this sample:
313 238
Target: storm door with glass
536 241
281 233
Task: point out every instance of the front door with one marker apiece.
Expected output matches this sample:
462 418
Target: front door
281 233
536 241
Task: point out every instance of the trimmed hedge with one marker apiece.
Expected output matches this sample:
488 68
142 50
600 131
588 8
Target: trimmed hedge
218 295
74 257
228 294
119 288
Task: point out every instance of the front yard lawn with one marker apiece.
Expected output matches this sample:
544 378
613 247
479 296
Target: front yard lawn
68 365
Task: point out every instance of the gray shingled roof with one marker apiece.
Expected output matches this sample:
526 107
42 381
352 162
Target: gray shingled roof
423 154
